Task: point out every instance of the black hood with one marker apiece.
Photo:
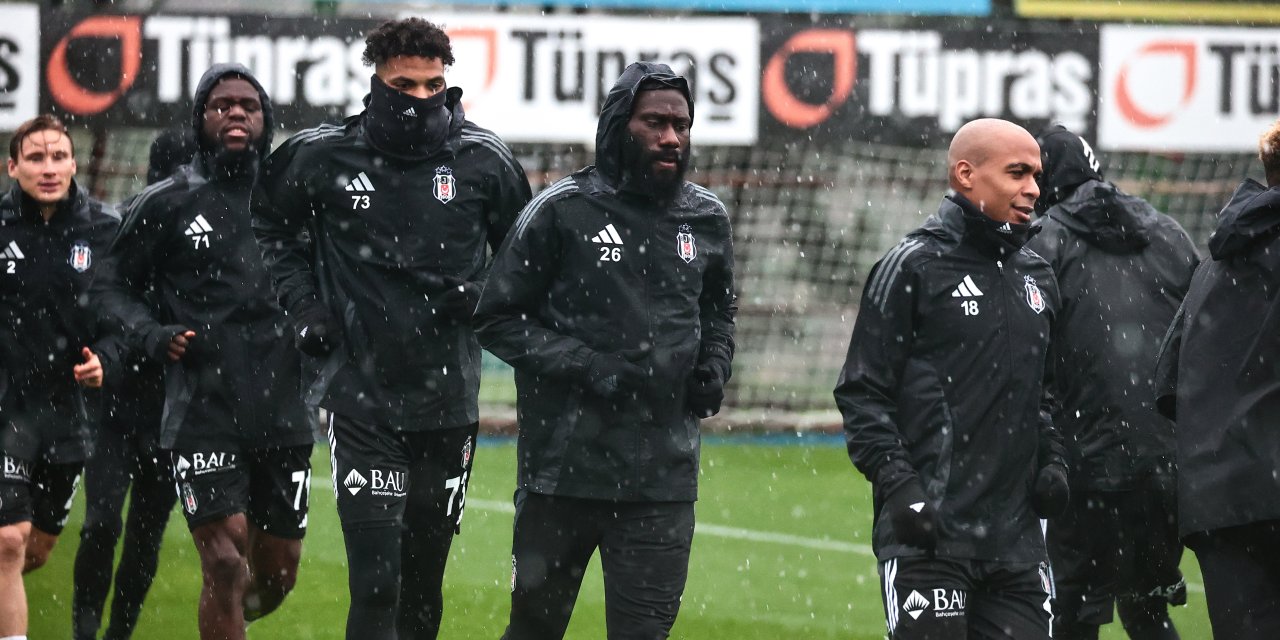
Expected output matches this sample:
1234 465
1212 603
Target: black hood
616 112
209 80
1068 162
1252 213
1107 217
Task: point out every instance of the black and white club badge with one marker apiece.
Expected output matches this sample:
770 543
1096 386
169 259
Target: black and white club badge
81 256
445 188
1034 298
686 246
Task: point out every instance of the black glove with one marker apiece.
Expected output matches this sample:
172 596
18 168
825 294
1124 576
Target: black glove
459 300
610 376
157 341
1051 493
912 516
315 333
704 391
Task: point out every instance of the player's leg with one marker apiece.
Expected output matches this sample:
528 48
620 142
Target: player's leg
925 598
1241 573
1151 580
1011 603
15 529
437 488
106 482
279 495
370 520
222 545
1083 552
53 489
645 556
213 488
553 541
151 500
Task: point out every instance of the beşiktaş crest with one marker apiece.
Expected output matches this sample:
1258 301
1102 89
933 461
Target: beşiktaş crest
445 187
1034 298
81 256
686 246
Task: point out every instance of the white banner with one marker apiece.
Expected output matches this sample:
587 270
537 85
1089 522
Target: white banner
1187 88
542 79
19 64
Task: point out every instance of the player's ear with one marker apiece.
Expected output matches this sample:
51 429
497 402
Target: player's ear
964 174
13 168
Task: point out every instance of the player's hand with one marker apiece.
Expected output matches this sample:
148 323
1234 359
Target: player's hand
315 333
912 516
1051 492
179 343
459 299
89 374
611 376
704 391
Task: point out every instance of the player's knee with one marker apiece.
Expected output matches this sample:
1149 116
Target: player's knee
13 545
39 547
224 567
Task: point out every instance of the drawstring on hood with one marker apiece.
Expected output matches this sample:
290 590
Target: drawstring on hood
615 113
1068 161
401 125
1252 214
237 164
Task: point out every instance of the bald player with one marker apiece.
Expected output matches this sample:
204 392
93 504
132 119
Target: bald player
945 407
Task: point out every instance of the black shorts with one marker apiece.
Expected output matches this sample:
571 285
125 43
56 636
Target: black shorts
371 466
960 598
1116 544
37 492
272 487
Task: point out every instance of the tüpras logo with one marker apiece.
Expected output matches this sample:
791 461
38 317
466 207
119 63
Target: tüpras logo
354 482
915 605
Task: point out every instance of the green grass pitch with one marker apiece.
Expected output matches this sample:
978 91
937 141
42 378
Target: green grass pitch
781 552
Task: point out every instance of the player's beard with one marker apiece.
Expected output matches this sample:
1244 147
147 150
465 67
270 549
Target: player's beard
235 162
640 174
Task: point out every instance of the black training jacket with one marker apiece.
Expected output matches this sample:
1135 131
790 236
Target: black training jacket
1122 270
944 381
46 318
186 243
1221 366
592 269
377 239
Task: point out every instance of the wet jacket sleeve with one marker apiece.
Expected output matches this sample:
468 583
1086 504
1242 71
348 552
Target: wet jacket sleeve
282 216
128 272
506 318
509 193
717 308
1051 448
869 381
1166 375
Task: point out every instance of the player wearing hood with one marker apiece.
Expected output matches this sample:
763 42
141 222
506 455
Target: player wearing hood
376 232
234 422
1123 269
946 406
54 349
1219 379
613 299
